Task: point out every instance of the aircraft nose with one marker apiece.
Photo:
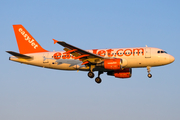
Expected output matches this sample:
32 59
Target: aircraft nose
171 59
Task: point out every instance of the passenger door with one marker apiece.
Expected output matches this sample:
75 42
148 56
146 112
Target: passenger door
148 52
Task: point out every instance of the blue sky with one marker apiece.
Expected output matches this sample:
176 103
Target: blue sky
28 92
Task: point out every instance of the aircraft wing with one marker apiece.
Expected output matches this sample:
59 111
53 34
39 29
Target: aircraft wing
83 55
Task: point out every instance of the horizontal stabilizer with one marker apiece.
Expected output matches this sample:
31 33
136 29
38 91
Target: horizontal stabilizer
18 55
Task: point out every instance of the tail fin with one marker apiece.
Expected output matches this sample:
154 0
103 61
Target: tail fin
26 43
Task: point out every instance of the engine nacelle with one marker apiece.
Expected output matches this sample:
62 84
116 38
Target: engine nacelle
125 73
111 64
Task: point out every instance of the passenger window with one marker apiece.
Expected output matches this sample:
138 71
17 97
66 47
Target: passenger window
159 52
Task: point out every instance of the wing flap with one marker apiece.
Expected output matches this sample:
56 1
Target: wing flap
73 53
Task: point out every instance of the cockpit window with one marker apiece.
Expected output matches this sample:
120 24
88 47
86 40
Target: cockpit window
161 52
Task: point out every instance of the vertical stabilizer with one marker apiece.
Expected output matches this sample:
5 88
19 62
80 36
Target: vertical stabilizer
26 43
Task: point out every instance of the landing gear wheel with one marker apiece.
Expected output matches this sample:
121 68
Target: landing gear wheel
90 74
149 75
98 80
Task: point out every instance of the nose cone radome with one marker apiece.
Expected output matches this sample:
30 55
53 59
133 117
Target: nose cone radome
171 59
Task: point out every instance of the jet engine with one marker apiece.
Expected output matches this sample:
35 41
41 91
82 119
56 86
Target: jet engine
124 73
111 64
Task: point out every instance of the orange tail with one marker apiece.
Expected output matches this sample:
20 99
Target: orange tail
26 43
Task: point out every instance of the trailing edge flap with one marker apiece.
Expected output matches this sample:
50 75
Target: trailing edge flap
18 55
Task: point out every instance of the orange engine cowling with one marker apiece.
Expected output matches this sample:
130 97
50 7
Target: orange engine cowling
125 73
112 64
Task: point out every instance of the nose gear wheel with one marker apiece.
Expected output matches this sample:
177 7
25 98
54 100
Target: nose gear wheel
149 75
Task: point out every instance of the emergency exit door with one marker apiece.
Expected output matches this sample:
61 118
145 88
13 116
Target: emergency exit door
45 58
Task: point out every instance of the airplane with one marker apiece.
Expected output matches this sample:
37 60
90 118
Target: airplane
116 62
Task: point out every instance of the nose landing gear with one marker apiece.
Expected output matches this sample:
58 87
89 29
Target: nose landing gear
148 70
149 75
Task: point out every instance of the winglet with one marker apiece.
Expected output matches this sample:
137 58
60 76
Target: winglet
55 41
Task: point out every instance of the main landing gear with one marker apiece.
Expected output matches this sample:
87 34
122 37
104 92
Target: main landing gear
98 79
90 74
148 70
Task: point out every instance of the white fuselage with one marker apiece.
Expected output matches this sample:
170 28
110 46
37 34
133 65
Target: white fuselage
132 58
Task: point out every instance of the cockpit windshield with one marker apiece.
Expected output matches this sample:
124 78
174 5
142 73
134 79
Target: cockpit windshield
160 51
